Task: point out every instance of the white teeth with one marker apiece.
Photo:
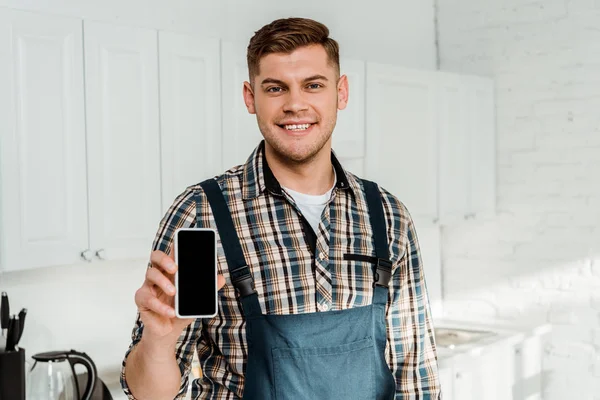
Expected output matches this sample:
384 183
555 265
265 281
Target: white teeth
297 127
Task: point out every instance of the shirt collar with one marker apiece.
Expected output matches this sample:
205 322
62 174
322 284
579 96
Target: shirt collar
258 176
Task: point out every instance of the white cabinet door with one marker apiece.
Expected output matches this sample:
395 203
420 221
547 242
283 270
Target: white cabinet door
401 137
528 370
481 127
190 109
465 368
43 195
121 67
454 185
446 377
467 146
240 129
348 140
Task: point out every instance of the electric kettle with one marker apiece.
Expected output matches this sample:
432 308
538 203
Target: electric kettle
53 376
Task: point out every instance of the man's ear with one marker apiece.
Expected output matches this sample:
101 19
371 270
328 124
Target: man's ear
343 91
249 98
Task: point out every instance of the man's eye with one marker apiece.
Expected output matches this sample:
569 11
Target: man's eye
274 89
314 86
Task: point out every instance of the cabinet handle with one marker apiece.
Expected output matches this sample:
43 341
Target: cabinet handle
101 254
458 375
436 220
86 255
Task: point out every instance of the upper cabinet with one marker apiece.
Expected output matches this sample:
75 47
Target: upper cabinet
121 82
467 148
102 126
43 189
80 141
401 148
431 141
190 112
481 126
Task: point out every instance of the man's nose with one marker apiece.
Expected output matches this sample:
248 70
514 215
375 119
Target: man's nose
295 101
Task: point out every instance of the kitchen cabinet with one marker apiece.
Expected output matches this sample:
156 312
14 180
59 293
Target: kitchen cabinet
528 368
122 120
482 152
190 112
401 150
80 141
97 143
43 186
467 183
507 366
483 376
431 141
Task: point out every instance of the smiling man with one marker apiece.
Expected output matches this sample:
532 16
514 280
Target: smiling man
322 291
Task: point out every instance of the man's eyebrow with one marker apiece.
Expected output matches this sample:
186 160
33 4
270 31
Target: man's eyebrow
316 78
272 80
281 83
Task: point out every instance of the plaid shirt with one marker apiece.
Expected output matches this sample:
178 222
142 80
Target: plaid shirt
298 271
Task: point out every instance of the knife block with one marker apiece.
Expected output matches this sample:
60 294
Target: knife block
12 375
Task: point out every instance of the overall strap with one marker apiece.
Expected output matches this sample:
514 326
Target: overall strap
383 267
239 271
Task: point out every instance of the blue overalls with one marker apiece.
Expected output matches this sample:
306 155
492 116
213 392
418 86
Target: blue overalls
323 355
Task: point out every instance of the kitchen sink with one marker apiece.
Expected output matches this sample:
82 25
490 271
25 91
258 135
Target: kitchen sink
452 337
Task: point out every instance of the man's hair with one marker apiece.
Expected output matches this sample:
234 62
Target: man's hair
285 36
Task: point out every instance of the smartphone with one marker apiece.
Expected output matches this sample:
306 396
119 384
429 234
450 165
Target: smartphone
196 276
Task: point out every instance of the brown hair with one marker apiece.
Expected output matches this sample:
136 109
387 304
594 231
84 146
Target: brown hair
285 36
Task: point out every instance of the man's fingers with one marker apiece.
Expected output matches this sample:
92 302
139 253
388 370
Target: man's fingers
146 301
220 282
163 261
155 277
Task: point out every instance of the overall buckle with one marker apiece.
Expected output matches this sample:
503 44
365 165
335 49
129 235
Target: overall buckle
242 281
383 273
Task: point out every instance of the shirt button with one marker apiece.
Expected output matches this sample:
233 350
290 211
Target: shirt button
322 256
324 307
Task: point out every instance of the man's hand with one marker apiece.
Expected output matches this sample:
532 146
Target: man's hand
155 301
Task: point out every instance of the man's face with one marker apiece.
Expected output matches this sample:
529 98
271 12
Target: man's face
295 98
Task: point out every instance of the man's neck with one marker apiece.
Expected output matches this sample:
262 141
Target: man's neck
312 177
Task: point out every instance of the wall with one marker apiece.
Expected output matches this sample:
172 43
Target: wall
90 307
87 307
397 32
539 259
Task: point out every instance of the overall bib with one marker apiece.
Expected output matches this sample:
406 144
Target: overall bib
322 355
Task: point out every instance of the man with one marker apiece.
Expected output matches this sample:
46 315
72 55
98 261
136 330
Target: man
338 307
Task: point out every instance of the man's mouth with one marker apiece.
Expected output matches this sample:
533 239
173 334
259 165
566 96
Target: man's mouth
296 127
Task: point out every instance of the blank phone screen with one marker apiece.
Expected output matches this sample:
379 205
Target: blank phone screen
196 273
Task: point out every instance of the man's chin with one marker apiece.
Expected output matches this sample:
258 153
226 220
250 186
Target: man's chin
297 154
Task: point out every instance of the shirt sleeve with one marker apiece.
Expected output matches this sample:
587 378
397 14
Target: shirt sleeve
411 344
181 214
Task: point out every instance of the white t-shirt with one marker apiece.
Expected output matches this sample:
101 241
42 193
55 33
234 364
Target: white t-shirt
311 206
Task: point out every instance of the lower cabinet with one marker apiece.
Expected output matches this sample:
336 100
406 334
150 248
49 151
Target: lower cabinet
499 371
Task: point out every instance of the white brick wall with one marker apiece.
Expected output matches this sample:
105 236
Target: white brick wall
540 257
